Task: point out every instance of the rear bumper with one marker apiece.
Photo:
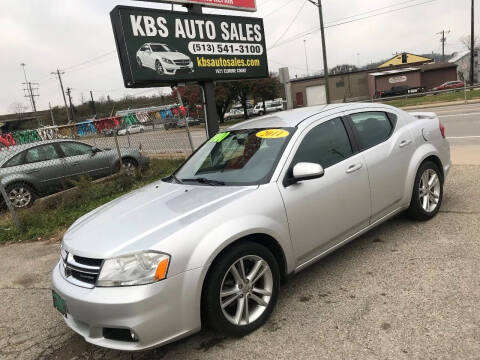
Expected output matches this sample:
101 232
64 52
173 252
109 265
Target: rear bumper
157 314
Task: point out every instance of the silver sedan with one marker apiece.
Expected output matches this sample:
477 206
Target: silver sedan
211 244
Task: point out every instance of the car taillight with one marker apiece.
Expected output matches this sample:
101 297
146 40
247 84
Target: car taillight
442 130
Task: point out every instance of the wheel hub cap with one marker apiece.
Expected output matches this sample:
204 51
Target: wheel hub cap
429 192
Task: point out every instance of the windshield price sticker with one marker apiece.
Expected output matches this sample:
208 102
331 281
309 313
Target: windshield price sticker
219 137
273 134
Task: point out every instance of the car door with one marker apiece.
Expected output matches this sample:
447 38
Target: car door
387 146
83 161
325 211
45 167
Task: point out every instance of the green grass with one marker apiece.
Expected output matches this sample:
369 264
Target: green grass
53 216
432 99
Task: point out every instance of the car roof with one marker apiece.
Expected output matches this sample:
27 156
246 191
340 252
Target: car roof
16 149
293 118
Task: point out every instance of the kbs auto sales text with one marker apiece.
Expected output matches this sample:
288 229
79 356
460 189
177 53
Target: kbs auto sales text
195 29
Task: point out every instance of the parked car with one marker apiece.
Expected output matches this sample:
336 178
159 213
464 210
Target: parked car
450 85
270 106
131 129
262 200
191 122
234 114
163 59
35 170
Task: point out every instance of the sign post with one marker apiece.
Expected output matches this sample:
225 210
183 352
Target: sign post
164 48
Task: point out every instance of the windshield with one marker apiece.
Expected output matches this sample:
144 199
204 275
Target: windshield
242 157
161 48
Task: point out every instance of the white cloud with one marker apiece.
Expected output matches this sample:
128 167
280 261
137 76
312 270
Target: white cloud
52 34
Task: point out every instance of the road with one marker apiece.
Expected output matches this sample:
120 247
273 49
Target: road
462 123
405 290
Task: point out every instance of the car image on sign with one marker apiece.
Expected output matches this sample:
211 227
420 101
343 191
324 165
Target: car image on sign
163 60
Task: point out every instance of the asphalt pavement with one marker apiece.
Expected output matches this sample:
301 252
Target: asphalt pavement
405 290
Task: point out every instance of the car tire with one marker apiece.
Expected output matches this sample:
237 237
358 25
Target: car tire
261 113
159 68
21 195
229 300
427 193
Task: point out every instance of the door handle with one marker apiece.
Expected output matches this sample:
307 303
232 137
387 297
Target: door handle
405 143
76 163
33 171
351 169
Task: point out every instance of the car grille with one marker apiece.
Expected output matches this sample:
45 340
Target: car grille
182 62
81 271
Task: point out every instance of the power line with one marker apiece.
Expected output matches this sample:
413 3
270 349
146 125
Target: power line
291 23
91 60
315 29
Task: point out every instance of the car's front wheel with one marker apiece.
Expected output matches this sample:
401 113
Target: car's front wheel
159 68
427 192
21 195
242 289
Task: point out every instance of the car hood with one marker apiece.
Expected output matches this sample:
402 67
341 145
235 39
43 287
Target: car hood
127 224
172 55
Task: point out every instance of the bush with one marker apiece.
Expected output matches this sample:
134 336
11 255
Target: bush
52 216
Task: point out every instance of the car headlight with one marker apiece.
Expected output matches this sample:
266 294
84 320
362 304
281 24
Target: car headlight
134 269
168 61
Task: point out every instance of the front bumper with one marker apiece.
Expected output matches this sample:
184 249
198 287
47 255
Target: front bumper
157 314
171 69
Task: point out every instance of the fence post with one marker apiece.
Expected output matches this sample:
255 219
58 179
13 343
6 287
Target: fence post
180 101
465 90
9 205
118 150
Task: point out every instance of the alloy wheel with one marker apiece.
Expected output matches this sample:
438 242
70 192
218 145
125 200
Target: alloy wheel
20 197
429 192
159 68
246 290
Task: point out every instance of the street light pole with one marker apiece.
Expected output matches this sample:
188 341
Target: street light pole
324 49
472 46
306 57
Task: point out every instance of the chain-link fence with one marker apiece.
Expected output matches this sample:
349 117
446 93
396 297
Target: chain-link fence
38 162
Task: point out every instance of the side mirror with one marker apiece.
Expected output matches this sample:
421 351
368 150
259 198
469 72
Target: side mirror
95 150
307 171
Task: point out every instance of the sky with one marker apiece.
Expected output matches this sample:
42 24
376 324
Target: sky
76 37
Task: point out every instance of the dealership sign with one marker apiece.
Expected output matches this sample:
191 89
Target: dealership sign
158 47
245 5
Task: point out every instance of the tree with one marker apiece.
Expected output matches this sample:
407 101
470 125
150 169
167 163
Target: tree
266 89
243 89
466 41
224 96
190 97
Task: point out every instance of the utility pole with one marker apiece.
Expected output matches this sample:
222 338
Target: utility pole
324 49
51 113
26 84
306 57
211 118
69 94
472 46
94 108
59 74
443 40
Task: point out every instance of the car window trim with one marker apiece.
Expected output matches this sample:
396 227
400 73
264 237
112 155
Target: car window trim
351 138
357 134
22 160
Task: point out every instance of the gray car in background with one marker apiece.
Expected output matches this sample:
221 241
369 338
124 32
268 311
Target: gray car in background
42 168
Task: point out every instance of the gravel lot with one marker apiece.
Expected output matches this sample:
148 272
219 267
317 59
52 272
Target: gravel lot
403 291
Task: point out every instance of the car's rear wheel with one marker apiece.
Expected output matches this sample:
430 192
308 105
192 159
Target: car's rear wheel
21 195
241 289
427 192
159 68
